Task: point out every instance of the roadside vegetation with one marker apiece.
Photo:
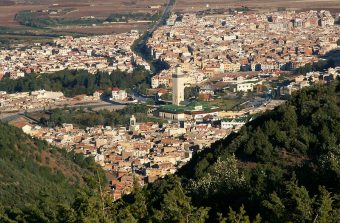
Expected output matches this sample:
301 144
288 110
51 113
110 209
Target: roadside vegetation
90 118
321 65
125 17
39 20
77 82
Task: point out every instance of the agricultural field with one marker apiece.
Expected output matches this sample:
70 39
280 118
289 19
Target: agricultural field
77 15
198 5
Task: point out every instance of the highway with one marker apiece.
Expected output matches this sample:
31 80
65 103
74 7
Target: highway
7 117
141 42
167 10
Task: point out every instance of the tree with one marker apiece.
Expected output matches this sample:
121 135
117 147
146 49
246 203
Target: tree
87 209
324 203
166 97
76 82
236 217
139 206
296 204
3 216
176 207
224 176
191 92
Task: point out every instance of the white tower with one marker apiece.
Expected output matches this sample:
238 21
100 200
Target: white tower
178 80
132 123
133 120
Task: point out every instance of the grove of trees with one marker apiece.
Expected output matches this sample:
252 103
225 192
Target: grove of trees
76 82
89 118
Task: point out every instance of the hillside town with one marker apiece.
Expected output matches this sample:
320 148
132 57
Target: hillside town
209 45
96 53
223 55
146 150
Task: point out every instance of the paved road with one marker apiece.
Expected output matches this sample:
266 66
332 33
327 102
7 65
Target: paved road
167 10
6 117
141 98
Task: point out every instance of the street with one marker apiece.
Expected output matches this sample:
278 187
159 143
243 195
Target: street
6 117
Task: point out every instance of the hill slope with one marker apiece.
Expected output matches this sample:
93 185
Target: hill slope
283 166
38 181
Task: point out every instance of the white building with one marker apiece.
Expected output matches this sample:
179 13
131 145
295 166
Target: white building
178 80
233 123
42 94
118 94
207 89
241 84
244 87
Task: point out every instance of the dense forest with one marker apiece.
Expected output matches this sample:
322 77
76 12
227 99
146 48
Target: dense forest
76 82
284 166
40 183
88 118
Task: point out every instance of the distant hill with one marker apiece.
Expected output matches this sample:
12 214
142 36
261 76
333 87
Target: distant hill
39 183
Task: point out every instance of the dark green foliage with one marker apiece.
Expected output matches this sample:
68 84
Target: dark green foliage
102 117
32 189
76 82
191 92
321 65
285 169
281 167
163 201
166 96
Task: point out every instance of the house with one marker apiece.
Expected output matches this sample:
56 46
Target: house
27 129
207 89
233 123
245 86
97 94
118 94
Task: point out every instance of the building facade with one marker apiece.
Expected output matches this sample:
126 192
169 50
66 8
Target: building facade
178 79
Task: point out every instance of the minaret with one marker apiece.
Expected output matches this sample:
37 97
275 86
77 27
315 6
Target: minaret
178 80
132 123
